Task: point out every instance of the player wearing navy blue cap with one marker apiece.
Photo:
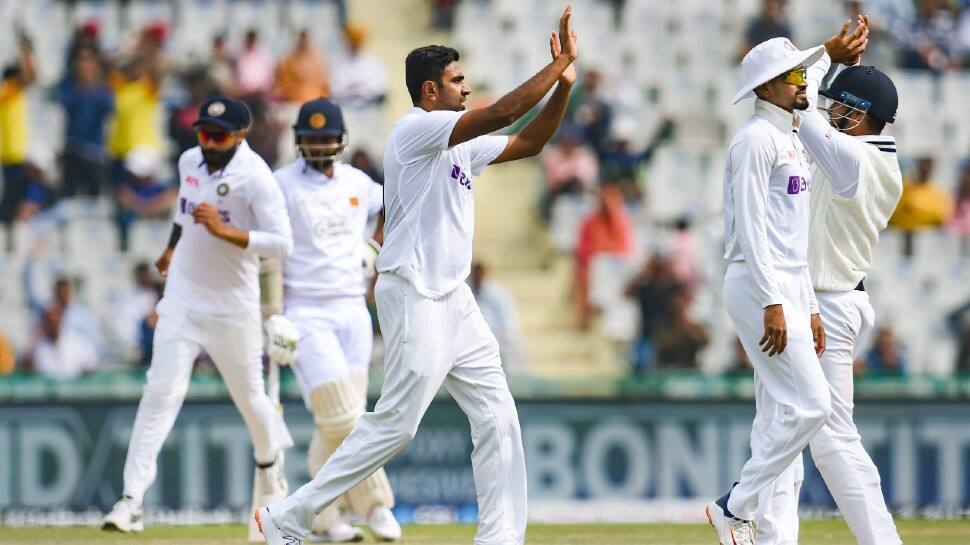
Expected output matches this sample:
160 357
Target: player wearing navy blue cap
230 212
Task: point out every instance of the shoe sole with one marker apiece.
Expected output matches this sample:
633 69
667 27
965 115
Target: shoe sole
710 520
112 527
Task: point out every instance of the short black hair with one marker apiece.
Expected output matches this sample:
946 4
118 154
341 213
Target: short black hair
426 64
876 124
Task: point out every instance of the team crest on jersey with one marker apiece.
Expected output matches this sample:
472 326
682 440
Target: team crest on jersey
223 189
318 121
216 109
354 201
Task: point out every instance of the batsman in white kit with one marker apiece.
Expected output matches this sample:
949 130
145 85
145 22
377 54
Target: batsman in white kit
230 211
329 204
767 287
856 186
434 333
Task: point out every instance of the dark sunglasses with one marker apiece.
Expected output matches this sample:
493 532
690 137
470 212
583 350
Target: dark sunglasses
213 137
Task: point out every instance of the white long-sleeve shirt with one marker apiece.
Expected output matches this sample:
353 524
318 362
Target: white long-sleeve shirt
329 217
210 275
766 186
856 186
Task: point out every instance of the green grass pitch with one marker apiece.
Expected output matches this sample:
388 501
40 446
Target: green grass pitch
834 532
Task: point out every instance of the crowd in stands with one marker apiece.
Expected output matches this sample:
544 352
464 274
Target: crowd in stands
128 114
597 192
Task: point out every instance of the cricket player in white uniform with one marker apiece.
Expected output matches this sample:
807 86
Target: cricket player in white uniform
767 288
856 186
230 211
329 204
433 331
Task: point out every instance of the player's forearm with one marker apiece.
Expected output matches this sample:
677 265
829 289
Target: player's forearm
269 244
236 237
838 155
520 100
538 132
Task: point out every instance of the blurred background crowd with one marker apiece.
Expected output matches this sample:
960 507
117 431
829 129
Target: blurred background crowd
613 269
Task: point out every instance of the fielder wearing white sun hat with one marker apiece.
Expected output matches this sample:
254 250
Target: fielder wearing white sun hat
770 59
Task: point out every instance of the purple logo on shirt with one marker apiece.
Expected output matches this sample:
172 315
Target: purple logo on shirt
797 184
188 207
459 176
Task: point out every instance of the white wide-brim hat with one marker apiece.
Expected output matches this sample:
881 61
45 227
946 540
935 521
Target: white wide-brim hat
770 59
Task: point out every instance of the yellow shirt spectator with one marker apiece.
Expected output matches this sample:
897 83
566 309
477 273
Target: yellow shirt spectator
135 124
13 123
922 205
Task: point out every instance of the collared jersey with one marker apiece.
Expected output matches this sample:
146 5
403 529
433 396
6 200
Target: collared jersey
329 216
766 199
208 274
429 206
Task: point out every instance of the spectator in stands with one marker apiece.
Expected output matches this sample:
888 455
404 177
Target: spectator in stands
87 101
684 252
87 37
963 34
222 67
360 86
142 193
267 130
255 67
924 204
590 112
931 43
133 310
771 22
621 164
62 353
608 229
443 14
182 117
135 124
302 74
75 317
886 356
500 313
653 289
959 224
8 358
569 168
959 323
39 194
678 338
362 161
740 365
14 136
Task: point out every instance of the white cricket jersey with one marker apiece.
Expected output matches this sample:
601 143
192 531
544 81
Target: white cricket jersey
208 274
857 185
766 199
429 206
329 216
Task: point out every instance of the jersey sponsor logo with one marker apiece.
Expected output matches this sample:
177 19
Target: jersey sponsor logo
331 227
188 207
192 181
797 184
459 176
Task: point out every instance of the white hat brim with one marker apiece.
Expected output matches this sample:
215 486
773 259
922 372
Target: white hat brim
807 57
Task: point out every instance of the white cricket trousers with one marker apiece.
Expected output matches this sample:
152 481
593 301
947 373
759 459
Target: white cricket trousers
837 449
793 380
427 343
234 342
777 514
336 339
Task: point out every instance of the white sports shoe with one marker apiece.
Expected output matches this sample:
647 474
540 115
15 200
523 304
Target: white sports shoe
383 524
124 517
269 486
730 530
272 534
338 532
